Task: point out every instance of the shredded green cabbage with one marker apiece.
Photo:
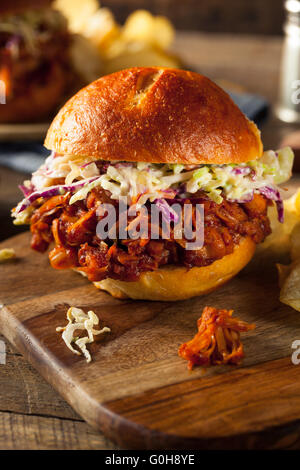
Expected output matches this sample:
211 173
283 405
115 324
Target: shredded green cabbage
236 181
141 182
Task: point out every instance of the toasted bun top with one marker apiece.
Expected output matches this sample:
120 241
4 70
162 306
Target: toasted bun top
157 115
8 7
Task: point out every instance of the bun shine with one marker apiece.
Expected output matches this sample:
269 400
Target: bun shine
156 115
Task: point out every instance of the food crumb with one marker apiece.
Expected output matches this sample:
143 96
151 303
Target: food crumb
79 320
7 254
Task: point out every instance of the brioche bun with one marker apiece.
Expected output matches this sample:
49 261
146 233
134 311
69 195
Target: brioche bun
40 99
8 7
177 283
157 115
160 115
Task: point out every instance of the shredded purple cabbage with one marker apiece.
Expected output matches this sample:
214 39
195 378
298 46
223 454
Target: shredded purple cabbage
26 190
50 192
170 192
245 170
86 164
167 212
274 195
280 210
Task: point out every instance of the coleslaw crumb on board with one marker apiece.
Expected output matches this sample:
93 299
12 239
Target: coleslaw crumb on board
79 320
7 254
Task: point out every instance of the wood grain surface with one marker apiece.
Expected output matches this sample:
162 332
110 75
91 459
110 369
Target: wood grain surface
34 416
137 391
30 409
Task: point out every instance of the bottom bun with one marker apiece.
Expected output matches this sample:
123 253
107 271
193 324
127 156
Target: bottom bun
177 283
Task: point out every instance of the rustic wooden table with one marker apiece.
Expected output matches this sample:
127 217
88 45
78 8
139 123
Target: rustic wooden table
32 414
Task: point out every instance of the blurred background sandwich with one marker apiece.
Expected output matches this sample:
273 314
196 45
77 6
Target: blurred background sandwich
34 59
50 49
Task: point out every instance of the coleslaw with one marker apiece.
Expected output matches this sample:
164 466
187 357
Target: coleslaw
141 182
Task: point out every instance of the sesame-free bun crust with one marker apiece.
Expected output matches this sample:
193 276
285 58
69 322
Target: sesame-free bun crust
177 283
8 7
154 115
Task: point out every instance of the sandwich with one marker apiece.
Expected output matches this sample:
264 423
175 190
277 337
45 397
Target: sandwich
151 138
34 59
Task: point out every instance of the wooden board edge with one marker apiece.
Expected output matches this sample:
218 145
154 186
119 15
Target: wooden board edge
123 431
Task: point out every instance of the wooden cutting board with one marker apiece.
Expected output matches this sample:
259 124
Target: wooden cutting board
137 390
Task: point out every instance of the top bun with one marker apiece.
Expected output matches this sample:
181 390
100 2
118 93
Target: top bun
8 7
157 115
